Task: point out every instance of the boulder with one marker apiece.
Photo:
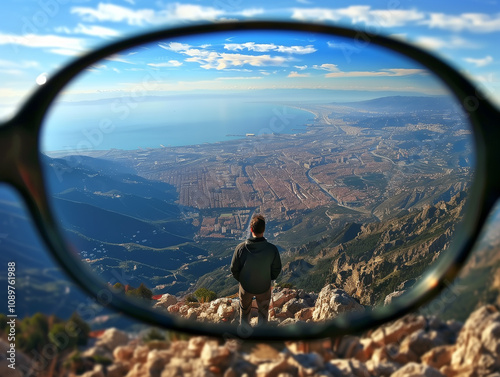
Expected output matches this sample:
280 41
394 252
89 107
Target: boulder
304 314
275 368
118 369
478 343
306 363
417 370
165 301
214 355
195 345
123 353
156 361
226 312
439 356
381 369
112 338
395 332
344 367
333 301
391 296
283 296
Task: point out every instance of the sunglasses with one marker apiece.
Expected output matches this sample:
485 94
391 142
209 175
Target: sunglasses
142 163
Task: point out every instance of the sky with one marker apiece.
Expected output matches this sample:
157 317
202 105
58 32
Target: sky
39 37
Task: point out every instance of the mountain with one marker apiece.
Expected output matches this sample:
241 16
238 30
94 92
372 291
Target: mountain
405 104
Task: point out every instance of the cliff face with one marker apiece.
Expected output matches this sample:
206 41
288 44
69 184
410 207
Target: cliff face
384 255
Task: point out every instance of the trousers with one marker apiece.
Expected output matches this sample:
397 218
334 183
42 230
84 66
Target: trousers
263 300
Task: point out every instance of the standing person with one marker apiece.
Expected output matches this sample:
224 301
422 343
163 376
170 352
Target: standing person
255 264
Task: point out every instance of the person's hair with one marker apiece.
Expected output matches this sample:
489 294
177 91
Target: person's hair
258 224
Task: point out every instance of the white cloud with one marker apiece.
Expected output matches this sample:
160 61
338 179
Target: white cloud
327 67
93 30
214 60
96 31
240 78
393 72
18 64
114 13
250 46
360 14
55 43
170 63
266 47
172 13
300 67
175 46
473 22
296 74
434 43
252 12
301 50
65 52
480 62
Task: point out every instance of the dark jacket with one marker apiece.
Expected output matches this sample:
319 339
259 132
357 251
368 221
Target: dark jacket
255 263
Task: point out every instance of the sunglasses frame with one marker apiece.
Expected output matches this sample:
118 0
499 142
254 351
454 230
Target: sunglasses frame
21 168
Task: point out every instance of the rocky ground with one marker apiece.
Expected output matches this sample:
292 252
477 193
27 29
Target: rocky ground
414 345
411 346
289 306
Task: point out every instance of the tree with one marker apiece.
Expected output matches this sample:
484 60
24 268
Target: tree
205 295
142 291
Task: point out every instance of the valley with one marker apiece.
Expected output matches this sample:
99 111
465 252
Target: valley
366 198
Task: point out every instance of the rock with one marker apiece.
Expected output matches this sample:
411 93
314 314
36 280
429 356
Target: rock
156 361
439 356
112 338
382 369
275 368
396 331
119 369
343 367
226 311
478 342
391 296
123 353
421 342
140 354
306 363
294 305
287 322
304 314
213 354
283 296
98 371
332 301
417 370
165 301
195 345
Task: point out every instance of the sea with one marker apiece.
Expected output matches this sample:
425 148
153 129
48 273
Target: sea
125 124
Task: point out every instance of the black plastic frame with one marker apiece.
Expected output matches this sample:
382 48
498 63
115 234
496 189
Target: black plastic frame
19 148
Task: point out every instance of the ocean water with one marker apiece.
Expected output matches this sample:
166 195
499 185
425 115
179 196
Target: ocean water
152 123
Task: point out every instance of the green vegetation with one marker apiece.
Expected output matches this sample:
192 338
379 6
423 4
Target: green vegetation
35 334
153 334
204 295
142 292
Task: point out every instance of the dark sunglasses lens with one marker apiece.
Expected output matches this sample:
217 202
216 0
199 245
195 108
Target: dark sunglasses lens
360 159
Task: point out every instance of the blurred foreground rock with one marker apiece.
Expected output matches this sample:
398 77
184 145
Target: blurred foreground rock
411 346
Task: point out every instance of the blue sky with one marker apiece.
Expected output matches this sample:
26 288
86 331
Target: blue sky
38 37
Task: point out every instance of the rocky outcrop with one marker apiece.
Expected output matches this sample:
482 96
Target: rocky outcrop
288 306
411 346
332 302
